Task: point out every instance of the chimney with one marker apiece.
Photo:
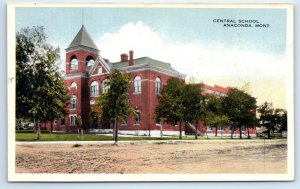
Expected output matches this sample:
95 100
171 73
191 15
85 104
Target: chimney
130 58
124 57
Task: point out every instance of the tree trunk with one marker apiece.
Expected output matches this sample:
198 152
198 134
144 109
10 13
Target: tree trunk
196 134
269 133
232 131
248 132
216 131
38 132
51 126
180 131
161 131
240 132
116 130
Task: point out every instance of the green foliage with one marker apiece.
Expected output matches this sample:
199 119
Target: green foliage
79 121
271 118
239 107
171 102
192 103
40 90
115 104
215 113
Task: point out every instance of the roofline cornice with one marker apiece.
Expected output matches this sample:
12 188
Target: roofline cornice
82 47
146 66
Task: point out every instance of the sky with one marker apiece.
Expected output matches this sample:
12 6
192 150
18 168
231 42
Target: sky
188 38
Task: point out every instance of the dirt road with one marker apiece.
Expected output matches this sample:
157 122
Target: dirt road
216 156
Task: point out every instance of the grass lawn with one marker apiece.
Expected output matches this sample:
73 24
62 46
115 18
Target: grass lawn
93 137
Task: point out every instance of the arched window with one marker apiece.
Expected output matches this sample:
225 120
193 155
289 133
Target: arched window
157 85
73 85
74 64
89 62
94 89
137 84
73 102
105 86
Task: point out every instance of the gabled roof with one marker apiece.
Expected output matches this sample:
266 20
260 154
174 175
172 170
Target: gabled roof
82 38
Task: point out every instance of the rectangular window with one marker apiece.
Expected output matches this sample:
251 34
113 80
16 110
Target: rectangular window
220 128
94 90
137 117
62 122
73 104
99 70
208 128
73 120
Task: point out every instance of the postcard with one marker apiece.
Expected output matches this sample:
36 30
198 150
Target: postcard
150 92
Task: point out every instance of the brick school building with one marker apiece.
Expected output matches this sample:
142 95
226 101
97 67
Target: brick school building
85 79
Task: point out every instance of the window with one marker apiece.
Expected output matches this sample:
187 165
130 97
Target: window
105 86
137 84
208 128
73 102
73 85
94 89
74 64
137 117
73 120
62 122
90 64
100 70
220 128
157 85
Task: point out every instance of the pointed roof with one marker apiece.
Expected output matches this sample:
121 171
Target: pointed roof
82 38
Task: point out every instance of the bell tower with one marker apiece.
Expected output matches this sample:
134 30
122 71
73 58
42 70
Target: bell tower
81 53
80 57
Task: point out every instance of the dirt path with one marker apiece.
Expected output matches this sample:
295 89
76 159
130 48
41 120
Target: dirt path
218 156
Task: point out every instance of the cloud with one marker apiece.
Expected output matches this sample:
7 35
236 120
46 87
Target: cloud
206 62
200 60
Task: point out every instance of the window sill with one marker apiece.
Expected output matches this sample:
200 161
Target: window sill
136 93
158 125
136 124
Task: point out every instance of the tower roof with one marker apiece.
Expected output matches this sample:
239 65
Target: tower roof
82 38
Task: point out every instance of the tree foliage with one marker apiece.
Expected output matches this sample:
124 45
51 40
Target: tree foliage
40 90
240 107
192 105
171 103
114 105
215 113
271 118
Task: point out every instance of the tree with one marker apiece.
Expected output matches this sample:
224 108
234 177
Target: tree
170 105
215 113
192 103
40 92
272 118
282 119
239 107
79 123
114 104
